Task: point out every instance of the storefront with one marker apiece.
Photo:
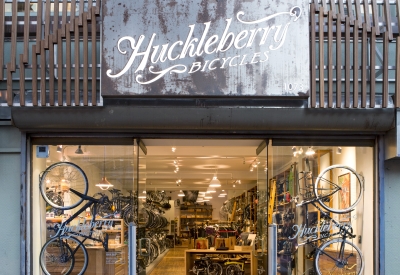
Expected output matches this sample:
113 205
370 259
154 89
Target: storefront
214 94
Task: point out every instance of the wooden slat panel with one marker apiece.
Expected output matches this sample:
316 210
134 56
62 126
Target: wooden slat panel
51 69
398 12
90 5
64 18
316 5
94 59
375 17
367 20
347 64
39 25
72 16
364 64
324 6
330 60
2 10
47 23
338 63
358 13
385 88
355 64
34 77
68 65
9 85
341 11
60 68
42 74
333 9
77 61
81 11
350 12
85 58
372 67
21 83
388 19
56 21
14 36
397 92
25 57
321 58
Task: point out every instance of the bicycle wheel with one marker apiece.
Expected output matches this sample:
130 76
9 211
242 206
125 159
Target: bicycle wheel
63 255
62 177
338 256
233 270
341 195
214 269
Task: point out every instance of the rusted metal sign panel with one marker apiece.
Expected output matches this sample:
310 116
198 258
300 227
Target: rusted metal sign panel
205 48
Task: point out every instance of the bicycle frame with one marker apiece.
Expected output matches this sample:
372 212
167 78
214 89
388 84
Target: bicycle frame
316 198
343 231
64 230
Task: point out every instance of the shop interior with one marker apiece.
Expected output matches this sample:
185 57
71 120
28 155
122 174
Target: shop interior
214 198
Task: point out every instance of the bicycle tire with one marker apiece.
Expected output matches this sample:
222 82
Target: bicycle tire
326 265
70 244
67 176
214 269
323 189
233 269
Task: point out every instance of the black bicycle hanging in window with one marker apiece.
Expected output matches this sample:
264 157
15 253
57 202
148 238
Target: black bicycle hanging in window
62 252
333 249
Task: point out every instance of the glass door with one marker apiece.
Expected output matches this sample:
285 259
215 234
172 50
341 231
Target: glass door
262 200
143 212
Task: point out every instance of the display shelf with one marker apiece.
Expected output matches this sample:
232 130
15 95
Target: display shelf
192 254
113 232
194 214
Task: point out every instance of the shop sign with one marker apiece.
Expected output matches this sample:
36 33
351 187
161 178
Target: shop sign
205 48
82 230
311 233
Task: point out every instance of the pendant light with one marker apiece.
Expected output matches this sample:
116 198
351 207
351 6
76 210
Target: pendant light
215 182
181 194
310 151
104 184
211 190
143 196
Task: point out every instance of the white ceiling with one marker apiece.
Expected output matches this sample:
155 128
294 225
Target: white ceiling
198 161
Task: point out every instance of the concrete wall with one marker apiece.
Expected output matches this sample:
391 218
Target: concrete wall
391 217
10 166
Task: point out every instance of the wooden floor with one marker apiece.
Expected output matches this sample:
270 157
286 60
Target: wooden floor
172 263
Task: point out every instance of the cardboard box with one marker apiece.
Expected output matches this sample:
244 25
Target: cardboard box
201 244
221 242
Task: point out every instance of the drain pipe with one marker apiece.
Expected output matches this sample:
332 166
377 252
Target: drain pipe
272 249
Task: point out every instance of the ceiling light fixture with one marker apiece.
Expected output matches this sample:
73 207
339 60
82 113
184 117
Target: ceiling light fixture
173 149
223 193
208 197
79 150
211 190
104 184
215 182
310 151
181 194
